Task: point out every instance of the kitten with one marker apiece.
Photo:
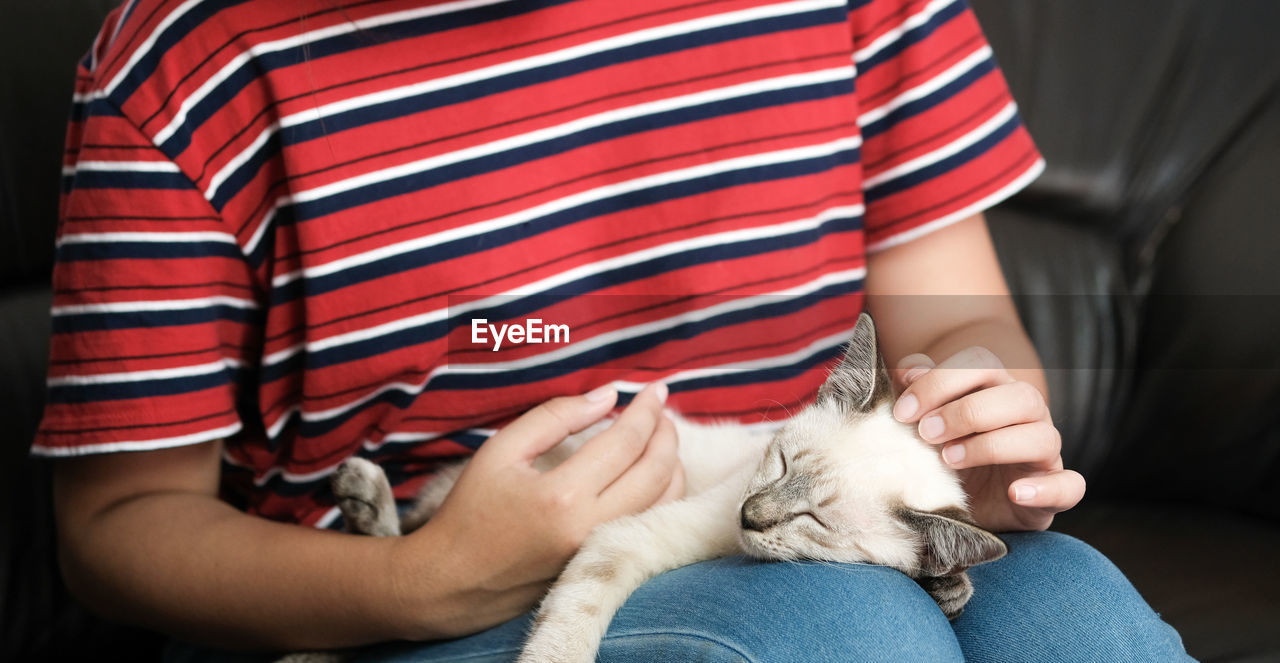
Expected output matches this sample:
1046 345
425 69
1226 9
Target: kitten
842 481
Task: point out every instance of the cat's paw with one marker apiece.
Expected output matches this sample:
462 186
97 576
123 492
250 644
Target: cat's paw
556 640
364 496
951 592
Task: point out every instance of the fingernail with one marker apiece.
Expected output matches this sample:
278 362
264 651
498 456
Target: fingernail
600 393
953 454
661 391
932 427
907 406
1024 493
915 373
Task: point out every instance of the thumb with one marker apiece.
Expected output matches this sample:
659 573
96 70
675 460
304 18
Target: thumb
538 430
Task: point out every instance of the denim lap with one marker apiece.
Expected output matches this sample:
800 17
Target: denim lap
1053 598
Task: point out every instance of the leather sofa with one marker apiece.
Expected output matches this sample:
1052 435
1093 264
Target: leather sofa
1144 262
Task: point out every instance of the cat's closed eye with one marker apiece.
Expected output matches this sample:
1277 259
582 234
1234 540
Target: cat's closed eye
815 519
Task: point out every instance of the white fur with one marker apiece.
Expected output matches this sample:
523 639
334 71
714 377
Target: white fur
838 482
875 463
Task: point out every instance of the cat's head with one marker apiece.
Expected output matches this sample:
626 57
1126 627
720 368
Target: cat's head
844 481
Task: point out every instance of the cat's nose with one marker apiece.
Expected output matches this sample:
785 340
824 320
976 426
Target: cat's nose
754 516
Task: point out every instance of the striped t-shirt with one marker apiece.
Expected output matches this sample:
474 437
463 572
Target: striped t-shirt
304 227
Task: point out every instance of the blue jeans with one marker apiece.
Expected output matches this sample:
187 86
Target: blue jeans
1053 598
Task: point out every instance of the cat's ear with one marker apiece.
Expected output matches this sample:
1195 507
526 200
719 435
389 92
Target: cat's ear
950 543
860 382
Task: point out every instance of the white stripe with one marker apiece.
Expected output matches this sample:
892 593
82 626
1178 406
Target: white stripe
927 88
124 16
159 305
141 445
147 45
568 276
260 49
239 160
157 237
567 129
274 428
581 50
571 201
144 376
914 21
122 167
950 149
597 341
328 517
959 215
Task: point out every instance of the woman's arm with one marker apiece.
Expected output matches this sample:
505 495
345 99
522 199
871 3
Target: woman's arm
144 538
972 379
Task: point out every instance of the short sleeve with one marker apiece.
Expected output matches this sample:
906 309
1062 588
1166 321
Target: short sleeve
942 138
154 311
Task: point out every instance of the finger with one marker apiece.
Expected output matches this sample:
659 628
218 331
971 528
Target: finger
982 411
964 372
538 430
910 368
646 481
607 455
1054 492
1037 443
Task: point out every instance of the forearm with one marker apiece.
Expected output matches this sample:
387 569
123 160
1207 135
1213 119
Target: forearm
191 566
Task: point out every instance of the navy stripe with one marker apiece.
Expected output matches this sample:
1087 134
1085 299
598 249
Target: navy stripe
81 110
253 70
944 166
434 255
402 107
913 36
941 95
83 322
124 179
148 250
115 391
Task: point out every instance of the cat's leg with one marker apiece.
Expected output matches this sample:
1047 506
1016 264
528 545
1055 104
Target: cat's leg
951 592
364 496
618 557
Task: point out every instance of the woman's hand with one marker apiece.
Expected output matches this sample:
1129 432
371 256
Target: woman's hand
507 529
996 431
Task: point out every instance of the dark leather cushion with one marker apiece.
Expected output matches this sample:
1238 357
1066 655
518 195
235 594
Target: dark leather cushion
40 44
1131 102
